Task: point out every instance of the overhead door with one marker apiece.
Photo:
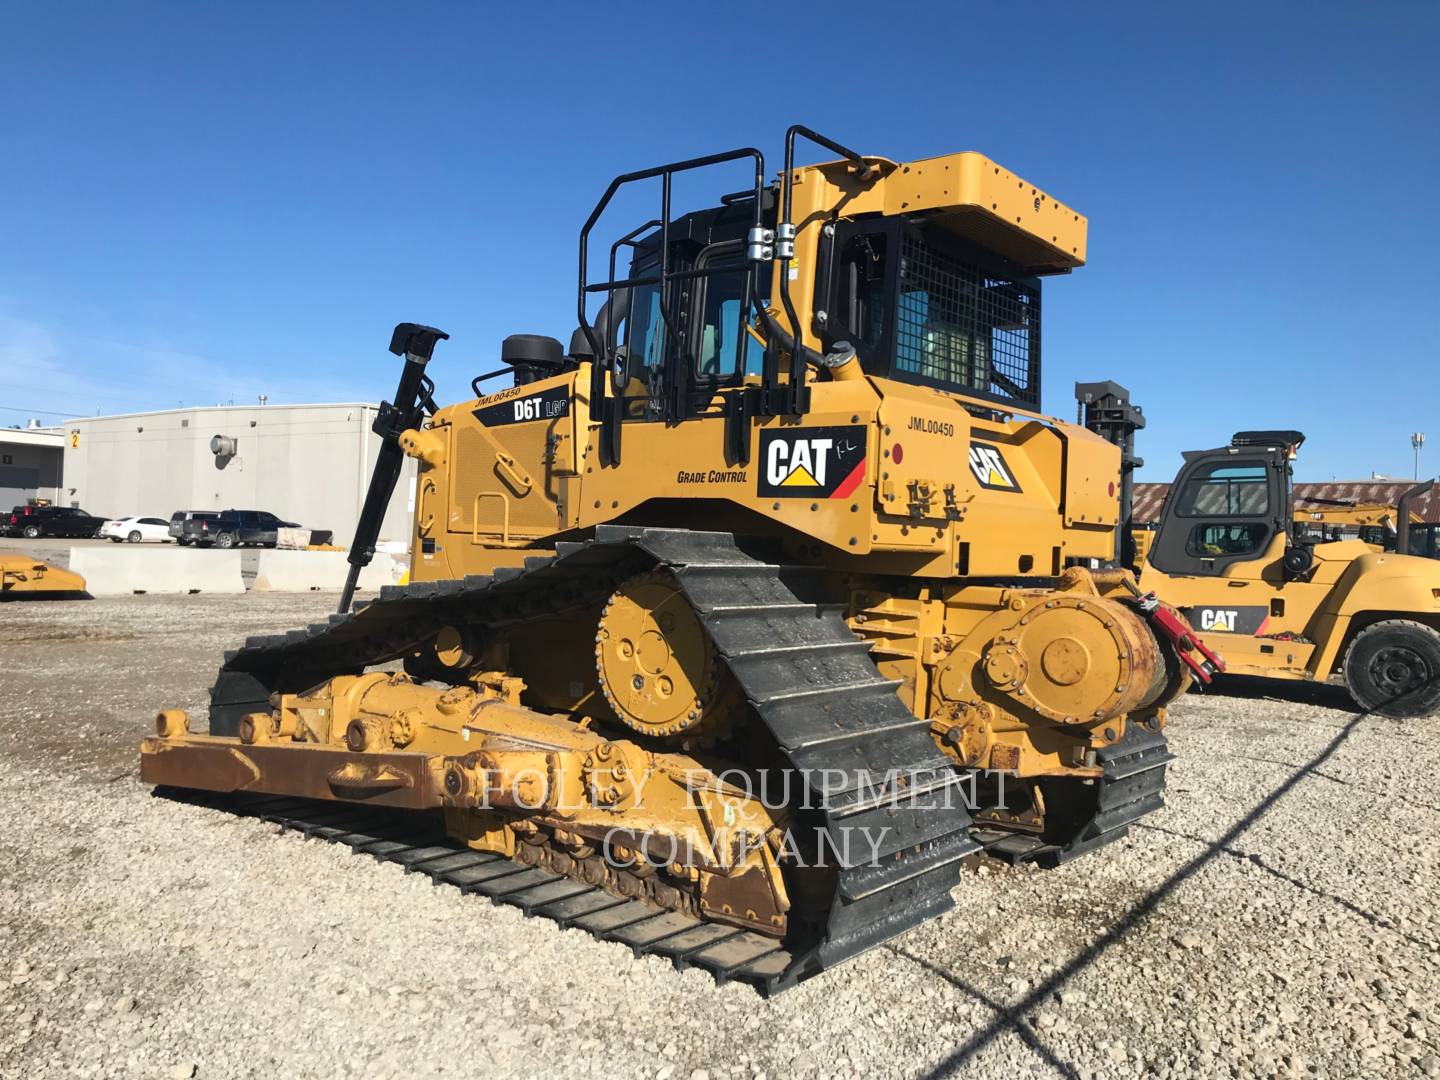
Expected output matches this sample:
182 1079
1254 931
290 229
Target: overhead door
17 484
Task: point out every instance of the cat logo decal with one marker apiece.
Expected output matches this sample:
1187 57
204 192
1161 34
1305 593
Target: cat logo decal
808 463
990 468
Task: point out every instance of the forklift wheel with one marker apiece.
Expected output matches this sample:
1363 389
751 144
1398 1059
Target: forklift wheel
1393 668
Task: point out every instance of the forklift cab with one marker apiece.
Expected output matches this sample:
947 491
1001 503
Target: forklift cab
1232 505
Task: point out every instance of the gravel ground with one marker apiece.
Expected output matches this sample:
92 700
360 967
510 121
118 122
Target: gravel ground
1277 918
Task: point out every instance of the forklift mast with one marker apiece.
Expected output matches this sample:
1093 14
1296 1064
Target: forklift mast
1105 408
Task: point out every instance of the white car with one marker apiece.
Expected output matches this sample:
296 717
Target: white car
135 529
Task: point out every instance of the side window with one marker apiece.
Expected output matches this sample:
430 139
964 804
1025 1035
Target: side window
717 350
643 332
1226 489
1209 541
860 293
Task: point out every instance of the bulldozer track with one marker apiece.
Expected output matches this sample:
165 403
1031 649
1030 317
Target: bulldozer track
805 676
416 840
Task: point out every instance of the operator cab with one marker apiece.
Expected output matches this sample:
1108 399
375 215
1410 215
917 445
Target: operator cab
922 304
1228 505
916 301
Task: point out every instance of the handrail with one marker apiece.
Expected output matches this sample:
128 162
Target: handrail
504 521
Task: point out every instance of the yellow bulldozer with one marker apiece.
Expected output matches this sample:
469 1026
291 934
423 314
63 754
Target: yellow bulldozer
1234 554
733 629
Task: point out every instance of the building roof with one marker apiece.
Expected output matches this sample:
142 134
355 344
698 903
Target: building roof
50 437
254 407
1150 497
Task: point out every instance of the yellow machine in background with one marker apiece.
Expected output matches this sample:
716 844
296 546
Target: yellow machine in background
785 517
26 578
1142 537
1229 552
1374 523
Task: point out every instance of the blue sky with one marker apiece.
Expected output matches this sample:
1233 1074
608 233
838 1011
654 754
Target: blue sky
206 202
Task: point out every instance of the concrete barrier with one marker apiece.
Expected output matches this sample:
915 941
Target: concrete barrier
121 570
320 571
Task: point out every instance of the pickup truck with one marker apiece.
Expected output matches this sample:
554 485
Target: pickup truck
36 521
233 528
180 517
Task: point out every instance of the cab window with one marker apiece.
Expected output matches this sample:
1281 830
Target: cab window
645 332
861 297
640 332
1226 489
719 331
1212 541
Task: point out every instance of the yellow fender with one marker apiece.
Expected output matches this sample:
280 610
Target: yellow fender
1391 586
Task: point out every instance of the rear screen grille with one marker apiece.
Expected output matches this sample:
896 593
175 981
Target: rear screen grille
958 327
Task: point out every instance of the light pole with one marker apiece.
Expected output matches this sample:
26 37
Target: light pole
1417 440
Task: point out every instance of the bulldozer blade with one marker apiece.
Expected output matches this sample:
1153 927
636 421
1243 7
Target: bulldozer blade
24 578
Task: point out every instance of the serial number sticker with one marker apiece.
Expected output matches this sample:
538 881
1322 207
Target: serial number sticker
930 426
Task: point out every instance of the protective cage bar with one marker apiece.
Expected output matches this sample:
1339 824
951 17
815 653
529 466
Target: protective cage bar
676 377
785 246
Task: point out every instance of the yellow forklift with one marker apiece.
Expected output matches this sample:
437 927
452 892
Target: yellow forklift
1272 600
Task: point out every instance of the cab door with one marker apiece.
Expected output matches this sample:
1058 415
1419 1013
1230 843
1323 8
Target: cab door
682 355
1223 513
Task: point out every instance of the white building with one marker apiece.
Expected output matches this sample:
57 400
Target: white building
30 466
309 464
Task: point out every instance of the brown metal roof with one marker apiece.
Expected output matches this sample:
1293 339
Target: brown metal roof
1150 497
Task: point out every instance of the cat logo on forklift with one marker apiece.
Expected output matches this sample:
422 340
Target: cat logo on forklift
991 469
803 463
1218 619
1242 619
